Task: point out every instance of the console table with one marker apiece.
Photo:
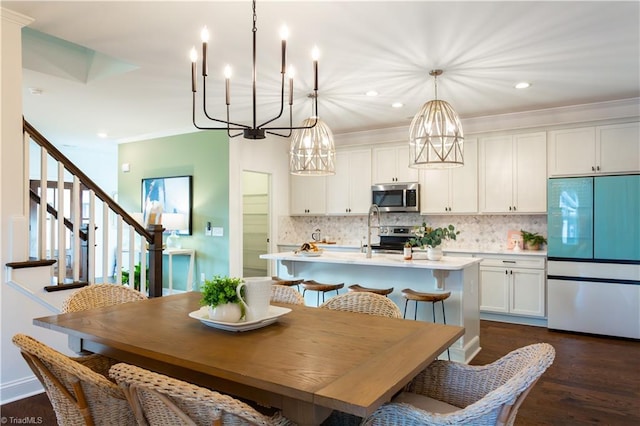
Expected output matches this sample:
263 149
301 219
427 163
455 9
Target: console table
171 252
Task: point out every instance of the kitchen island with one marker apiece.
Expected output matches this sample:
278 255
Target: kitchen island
459 275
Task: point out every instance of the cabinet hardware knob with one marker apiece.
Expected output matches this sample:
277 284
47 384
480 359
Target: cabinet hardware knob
514 208
598 168
593 169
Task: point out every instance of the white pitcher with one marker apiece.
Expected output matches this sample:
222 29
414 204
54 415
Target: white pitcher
257 296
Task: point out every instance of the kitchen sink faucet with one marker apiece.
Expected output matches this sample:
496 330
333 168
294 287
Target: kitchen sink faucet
374 209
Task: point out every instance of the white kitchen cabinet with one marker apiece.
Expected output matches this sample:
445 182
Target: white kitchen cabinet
595 150
453 190
349 190
308 195
391 164
513 173
513 286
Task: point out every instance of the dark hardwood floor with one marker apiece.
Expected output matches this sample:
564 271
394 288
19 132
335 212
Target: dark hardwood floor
593 380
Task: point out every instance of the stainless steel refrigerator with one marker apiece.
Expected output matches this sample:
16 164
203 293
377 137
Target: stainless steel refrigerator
593 274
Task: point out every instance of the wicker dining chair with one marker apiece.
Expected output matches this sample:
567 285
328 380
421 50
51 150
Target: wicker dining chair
448 393
364 302
79 388
99 295
285 294
164 401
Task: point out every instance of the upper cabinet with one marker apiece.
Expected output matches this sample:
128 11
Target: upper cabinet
454 190
349 190
513 173
308 195
592 150
391 164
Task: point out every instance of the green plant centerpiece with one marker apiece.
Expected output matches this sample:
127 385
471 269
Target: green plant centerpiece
220 295
432 238
532 240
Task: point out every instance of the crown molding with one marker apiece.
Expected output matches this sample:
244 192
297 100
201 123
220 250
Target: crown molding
15 17
623 109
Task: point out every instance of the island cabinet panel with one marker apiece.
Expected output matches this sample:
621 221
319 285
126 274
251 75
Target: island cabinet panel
308 195
452 191
514 286
391 164
458 275
349 190
595 150
513 173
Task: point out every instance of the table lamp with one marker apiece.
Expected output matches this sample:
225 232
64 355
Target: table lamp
174 222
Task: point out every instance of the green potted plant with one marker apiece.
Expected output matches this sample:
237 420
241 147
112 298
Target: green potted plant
432 238
532 240
220 295
137 272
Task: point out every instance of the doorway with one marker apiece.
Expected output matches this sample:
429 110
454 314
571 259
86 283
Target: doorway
255 222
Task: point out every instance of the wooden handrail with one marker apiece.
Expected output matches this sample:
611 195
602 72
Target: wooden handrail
55 153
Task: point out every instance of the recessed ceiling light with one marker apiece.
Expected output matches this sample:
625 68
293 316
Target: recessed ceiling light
522 85
35 91
372 93
397 105
102 135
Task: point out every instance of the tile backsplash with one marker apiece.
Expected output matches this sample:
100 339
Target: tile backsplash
477 232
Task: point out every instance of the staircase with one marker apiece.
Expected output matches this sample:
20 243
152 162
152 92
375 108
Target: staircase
75 234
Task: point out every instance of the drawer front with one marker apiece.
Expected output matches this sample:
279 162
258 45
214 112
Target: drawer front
514 263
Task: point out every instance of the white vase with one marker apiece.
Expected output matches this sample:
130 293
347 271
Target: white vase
228 312
434 253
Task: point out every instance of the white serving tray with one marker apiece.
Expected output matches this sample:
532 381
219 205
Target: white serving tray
274 313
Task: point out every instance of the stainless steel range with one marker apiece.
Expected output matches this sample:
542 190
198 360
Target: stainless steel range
392 238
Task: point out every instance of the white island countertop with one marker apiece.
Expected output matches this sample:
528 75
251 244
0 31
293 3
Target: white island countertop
447 263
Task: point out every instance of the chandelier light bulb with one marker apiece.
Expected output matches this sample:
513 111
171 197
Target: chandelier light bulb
227 71
193 54
204 35
315 53
284 32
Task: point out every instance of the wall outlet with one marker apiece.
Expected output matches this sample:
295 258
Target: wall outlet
207 230
202 277
217 231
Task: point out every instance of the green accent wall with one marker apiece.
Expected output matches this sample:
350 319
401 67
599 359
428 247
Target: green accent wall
203 155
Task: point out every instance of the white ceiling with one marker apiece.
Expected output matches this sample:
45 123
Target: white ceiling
571 52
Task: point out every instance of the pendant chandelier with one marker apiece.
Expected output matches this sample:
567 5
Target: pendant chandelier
255 130
312 151
435 136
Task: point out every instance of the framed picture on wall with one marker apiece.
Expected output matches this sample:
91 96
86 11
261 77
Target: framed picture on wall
174 195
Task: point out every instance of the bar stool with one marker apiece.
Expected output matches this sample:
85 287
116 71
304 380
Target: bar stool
417 296
380 291
313 285
288 282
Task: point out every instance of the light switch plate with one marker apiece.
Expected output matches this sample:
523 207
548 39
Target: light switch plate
217 231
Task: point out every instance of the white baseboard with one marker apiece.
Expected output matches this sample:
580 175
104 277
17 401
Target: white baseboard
513 319
20 389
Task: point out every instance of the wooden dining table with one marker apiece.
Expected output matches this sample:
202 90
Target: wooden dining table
309 362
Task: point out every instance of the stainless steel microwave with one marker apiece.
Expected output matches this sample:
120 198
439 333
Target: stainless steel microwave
396 197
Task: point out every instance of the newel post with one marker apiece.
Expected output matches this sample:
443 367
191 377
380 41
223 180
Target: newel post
84 254
155 261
